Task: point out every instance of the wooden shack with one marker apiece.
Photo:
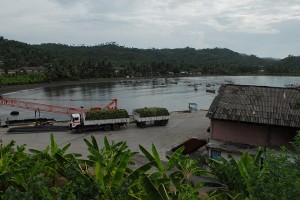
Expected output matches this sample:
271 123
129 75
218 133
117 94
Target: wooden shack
255 115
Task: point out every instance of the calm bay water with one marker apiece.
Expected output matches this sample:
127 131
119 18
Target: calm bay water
136 93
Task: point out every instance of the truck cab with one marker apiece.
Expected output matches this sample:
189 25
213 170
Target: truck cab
75 120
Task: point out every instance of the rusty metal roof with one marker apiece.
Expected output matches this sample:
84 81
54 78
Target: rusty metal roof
257 104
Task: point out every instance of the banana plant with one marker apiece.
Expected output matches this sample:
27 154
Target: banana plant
148 190
54 159
237 177
162 168
13 164
226 171
54 149
250 172
111 165
174 175
114 176
40 174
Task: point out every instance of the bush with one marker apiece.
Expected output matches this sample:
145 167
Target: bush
106 114
16 79
152 112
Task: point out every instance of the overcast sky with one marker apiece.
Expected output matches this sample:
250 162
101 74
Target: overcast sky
265 28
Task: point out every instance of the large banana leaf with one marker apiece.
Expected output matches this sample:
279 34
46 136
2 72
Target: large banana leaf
120 169
151 191
175 158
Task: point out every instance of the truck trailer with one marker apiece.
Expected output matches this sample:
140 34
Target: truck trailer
152 115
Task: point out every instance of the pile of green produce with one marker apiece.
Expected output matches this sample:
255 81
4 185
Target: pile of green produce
152 112
106 114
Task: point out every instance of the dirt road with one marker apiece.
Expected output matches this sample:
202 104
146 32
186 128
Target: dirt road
181 127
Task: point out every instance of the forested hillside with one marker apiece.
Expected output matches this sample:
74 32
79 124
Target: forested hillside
113 60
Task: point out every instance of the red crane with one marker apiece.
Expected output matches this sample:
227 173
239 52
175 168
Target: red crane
52 108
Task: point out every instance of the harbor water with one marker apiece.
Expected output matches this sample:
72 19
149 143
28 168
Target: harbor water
173 93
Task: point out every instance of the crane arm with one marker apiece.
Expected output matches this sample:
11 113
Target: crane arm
39 106
112 105
49 108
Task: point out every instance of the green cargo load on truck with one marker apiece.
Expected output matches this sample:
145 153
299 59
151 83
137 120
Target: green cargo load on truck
152 115
106 114
152 112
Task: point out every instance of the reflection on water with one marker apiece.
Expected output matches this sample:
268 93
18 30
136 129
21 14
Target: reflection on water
174 94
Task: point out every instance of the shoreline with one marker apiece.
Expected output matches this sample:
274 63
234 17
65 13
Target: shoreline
14 88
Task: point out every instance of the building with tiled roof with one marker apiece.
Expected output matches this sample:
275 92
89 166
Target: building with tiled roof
31 70
255 115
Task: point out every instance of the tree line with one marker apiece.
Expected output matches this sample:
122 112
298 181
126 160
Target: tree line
112 60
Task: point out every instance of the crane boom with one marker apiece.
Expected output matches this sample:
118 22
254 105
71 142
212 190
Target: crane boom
50 108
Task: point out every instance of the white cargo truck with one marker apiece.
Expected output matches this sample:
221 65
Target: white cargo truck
80 123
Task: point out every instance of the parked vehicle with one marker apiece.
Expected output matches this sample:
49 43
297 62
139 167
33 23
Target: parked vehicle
107 118
99 119
154 115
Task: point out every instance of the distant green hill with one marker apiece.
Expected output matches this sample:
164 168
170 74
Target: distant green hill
112 60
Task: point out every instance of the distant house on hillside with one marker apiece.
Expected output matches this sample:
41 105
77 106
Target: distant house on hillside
31 70
12 71
244 117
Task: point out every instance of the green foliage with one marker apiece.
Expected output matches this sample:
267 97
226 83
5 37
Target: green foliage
110 173
280 174
16 79
226 171
47 174
297 106
295 152
11 165
110 60
277 178
111 166
152 112
173 178
106 114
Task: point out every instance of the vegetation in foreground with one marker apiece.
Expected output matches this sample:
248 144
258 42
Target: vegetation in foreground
110 173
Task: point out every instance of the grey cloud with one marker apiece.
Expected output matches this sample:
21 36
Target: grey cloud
249 26
66 3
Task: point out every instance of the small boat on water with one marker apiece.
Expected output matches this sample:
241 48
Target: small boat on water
229 82
297 85
162 85
14 113
192 84
210 90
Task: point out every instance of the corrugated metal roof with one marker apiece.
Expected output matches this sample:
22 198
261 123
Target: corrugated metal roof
257 104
